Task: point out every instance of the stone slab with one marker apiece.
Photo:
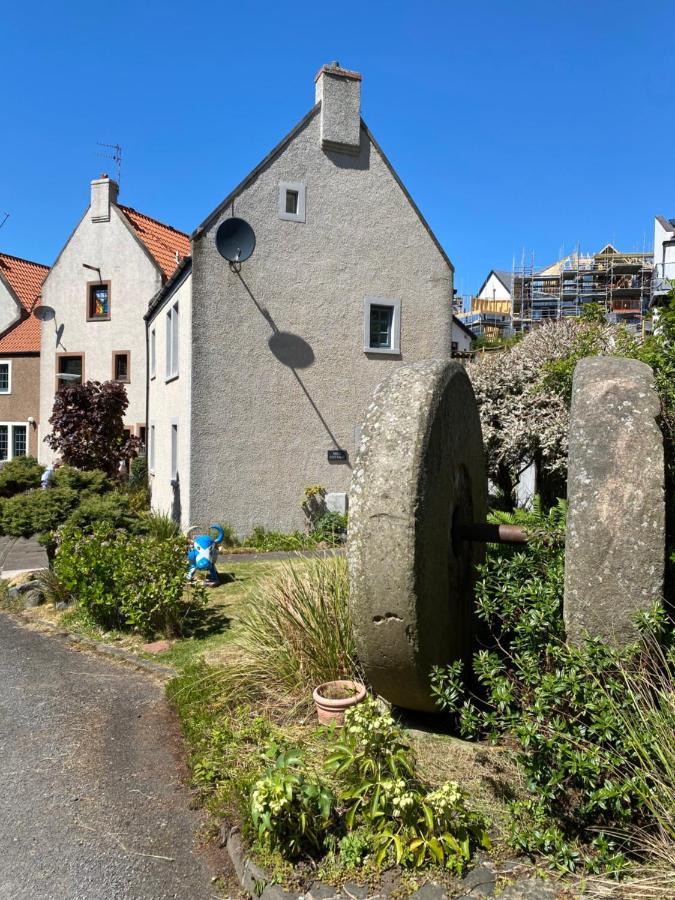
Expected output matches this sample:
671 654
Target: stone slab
420 469
615 545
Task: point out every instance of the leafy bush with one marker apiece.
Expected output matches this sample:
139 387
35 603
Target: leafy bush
22 473
37 511
382 792
88 426
295 633
290 810
138 473
331 529
264 540
160 526
128 581
89 482
230 538
566 707
112 508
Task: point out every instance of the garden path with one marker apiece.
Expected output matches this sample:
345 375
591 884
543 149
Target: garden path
21 555
93 805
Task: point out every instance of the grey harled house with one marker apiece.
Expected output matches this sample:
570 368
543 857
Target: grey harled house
259 373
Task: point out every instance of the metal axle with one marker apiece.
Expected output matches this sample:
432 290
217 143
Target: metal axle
485 533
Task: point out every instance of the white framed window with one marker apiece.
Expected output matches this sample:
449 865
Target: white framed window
381 325
151 449
174 450
292 201
172 342
153 353
13 440
5 376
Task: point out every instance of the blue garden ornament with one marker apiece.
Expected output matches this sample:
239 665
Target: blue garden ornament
203 554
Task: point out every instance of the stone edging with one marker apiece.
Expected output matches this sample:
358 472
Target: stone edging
480 882
98 647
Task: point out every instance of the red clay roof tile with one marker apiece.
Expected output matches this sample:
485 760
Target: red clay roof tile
163 241
25 278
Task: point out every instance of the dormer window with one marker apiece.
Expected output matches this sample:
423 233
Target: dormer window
292 201
98 301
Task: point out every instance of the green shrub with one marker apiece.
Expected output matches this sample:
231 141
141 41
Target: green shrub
20 474
230 538
128 581
410 823
267 541
290 810
90 482
112 508
331 529
138 473
160 526
295 634
37 511
566 707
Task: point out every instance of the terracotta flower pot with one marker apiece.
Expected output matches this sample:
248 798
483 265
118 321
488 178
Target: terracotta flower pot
333 698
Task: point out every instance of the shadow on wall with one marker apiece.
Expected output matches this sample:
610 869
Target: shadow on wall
293 352
360 160
176 510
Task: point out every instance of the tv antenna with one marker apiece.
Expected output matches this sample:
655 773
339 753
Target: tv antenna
115 154
5 219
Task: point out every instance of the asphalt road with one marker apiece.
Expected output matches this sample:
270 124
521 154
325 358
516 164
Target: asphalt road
91 800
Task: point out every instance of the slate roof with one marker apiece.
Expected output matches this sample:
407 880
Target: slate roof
25 279
162 241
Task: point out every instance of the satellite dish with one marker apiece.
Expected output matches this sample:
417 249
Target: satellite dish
44 313
235 240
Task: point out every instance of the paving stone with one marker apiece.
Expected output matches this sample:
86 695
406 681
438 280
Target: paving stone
615 543
358 891
157 646
430 891
530 889
319 891
274 892
479 882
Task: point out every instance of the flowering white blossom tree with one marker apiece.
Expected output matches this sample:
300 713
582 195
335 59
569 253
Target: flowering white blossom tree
523 395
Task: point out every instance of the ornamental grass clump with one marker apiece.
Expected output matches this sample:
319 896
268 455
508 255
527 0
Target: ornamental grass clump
295 633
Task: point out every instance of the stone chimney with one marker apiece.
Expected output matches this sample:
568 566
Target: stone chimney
103 193
340 94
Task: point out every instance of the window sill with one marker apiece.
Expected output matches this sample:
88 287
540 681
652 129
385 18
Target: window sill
170 378
122 380
382 351
98 318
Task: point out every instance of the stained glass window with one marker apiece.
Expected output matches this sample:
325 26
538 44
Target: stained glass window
99 301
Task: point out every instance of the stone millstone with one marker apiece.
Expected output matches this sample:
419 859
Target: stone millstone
420 468
615 545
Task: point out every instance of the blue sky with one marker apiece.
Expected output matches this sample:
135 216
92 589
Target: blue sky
515 125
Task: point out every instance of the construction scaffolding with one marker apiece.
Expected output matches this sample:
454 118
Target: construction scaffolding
619 283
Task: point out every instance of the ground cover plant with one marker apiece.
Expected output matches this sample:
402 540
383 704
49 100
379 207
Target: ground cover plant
566 711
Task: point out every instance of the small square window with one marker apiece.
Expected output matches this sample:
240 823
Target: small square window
381 321
381 325
99 301
69 370
5 378
292 201
121 366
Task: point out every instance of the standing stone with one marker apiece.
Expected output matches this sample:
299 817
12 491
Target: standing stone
615 545
420 469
